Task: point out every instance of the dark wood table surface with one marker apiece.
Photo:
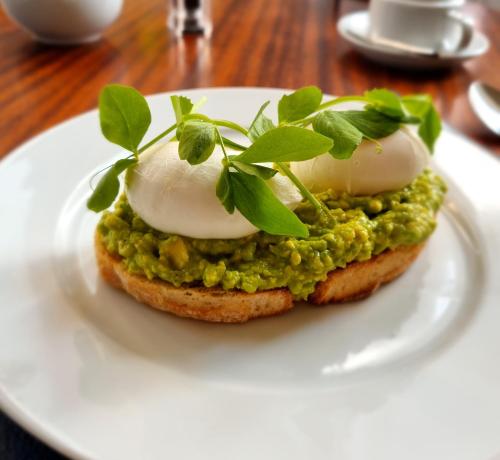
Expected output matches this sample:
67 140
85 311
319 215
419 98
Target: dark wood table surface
255 43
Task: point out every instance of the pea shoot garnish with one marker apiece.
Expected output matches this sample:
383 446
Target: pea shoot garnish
125 118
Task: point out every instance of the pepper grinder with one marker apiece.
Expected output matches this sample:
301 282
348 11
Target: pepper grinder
190 17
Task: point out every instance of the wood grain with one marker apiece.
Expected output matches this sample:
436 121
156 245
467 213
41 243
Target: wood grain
257 43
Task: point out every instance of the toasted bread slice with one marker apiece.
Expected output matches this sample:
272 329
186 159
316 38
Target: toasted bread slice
357 280
209 304
360 279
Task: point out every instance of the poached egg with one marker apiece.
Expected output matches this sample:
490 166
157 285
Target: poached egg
402 158
175 197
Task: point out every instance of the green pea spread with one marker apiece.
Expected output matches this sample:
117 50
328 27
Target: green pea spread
358 228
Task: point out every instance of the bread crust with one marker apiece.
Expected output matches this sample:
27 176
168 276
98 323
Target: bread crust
208 304
360 279
357 280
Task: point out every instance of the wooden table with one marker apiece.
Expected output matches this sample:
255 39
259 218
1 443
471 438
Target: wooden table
259 43
255 43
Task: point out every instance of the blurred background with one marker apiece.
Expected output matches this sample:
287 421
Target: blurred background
55 60
272 43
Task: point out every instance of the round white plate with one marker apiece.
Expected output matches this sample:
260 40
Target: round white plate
354 27
409 373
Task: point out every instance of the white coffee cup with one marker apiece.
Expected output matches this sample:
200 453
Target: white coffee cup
432 24
63 22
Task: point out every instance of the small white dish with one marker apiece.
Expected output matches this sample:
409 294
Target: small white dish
63 22
355 28
409 373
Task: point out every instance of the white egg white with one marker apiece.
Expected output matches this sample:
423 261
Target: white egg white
175 197
402 158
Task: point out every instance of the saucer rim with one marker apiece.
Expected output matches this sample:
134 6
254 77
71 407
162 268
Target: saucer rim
344 29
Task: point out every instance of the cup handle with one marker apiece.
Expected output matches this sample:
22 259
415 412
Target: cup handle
467 28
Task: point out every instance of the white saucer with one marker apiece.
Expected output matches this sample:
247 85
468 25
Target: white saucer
354 28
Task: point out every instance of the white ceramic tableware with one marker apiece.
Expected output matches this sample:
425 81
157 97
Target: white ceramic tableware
355 28
63 22
409 373
485 101
430 24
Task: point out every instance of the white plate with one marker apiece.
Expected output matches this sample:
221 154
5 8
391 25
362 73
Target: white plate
409 373
354 27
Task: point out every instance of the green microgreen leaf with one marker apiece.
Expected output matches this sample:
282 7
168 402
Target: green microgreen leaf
422 107
124 116
224 190
197 142
255 170
348 128
430 128
417 104
108 187
260 124
258 204
287 143
299 104
386 102
178 130
346 137
182 106
373 124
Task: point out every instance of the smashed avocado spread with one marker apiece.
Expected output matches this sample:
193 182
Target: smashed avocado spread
357 228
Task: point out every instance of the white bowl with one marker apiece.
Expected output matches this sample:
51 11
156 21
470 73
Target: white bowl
63 22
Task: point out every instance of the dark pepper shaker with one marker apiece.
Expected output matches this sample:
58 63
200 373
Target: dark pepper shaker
190 17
